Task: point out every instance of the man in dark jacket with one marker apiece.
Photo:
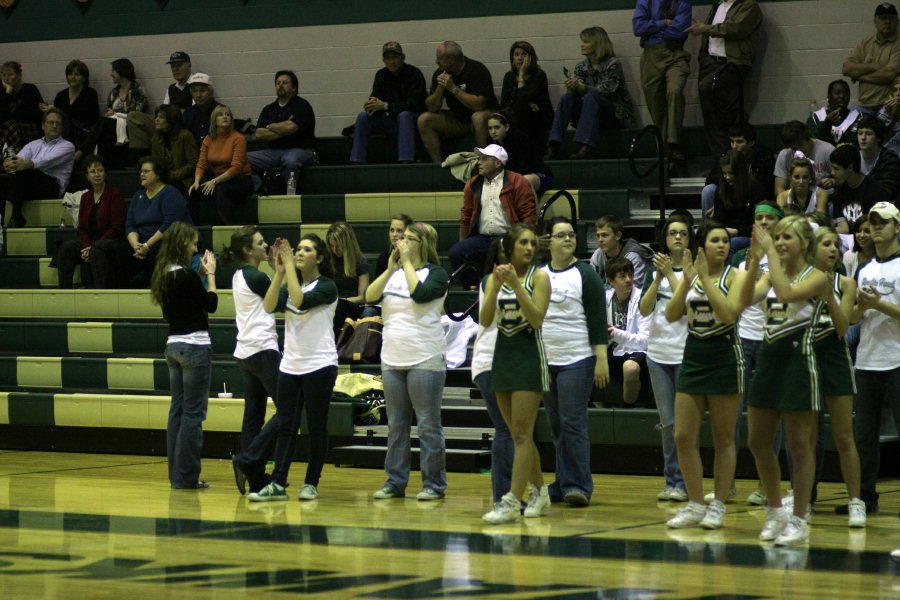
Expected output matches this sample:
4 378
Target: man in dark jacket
876 161
397 99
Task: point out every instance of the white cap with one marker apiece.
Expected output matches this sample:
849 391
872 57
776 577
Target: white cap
494 151
886 211
199 78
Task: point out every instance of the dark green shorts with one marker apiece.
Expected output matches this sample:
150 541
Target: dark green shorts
520 364
713 366
785 378
835 367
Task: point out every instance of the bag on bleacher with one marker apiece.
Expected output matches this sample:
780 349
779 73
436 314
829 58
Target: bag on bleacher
273 184
71 201
366 392
360 341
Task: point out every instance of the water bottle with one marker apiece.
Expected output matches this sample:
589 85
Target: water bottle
291 185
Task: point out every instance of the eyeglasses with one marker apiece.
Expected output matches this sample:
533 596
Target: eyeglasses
565 236
677 233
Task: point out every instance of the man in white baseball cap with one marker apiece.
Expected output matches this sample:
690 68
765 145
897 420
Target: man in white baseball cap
493 200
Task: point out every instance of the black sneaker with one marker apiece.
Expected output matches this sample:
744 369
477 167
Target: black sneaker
240 480
843 509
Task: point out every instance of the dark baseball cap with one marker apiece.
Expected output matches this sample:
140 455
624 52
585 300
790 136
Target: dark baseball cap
182 56
392 47
885 8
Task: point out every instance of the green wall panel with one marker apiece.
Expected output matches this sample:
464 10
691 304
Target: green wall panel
84 373
31 409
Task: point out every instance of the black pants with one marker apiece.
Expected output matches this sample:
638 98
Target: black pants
720 105
28 185
260 373
228 196
108 260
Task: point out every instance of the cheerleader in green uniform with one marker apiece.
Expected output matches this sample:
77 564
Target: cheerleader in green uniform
712 371
835 367
786 383
517 295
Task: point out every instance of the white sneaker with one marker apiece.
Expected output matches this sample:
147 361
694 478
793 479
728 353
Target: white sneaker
689 516
712 495
664 495
678 495
538 503
757 498
856 511
796 532
895 554
776 519
308 492
715 516
507 510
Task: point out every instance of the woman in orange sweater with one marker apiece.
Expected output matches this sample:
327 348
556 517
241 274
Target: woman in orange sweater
223 163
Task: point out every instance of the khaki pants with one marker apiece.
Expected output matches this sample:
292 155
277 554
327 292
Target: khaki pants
664 73
141 128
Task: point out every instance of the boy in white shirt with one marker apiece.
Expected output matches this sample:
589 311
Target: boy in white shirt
628 330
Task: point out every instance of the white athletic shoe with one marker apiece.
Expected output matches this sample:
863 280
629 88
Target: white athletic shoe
776 519
712 495
506 511
308 492
796 532
715 516
856 511
689 516
672 494
757 498
538 503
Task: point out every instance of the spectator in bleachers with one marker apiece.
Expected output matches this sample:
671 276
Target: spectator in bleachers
878 355
890 116
854 193
78 101
178 290
863 246
727 50
112 132
198 116
350 271
875 62
393 107
101 233
494 200
610 244
742 138
628 329
174 147
396 227
177 95
665 343
523 153
288 125
665 65
411 291
525 95
574 333
876 161
40 170
736 197
153 209
836 122
256 349
803 191
796 137
20 112
596 97
223 171
467 87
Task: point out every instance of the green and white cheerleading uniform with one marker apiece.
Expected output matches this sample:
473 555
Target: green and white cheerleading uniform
786 375
832 355
713 362
519 360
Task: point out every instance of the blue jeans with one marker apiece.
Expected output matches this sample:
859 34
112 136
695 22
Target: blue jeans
708 199
190 368
502 447
289 160
663 380
590 113
260 374
404 126
566 405
472 250
876 390
408 390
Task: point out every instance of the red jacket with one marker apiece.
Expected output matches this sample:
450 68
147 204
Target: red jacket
516 197
110 216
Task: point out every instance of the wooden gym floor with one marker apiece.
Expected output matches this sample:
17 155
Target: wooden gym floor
84 526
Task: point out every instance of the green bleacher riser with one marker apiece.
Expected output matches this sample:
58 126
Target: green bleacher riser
92 304
134 411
